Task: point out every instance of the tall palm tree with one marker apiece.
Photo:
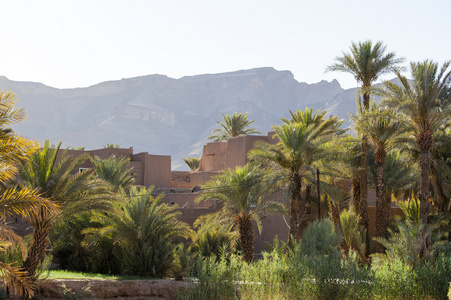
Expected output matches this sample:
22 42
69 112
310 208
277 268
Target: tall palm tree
300 146
114 170
424 105
234 125
60 182
400 180
366 62
381 129
245 195
15 200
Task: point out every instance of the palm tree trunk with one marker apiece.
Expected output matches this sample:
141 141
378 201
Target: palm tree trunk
424 185
356 194
308 194
295 209
335 213
37 250
363 203
380 207
247 237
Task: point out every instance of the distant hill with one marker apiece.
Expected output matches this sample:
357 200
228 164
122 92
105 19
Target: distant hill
167 116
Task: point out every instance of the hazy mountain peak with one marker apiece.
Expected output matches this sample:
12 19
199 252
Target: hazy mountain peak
162 115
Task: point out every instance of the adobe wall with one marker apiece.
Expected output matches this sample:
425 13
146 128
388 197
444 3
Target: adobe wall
237 149
156 169
218 156
147 169
213 156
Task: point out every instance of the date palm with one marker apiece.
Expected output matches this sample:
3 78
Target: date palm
58 180
15 200
234 125
114 170
366 62
143 228
300 145
382 129
424 105
193 163
245 194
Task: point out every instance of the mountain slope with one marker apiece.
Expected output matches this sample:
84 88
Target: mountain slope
167 116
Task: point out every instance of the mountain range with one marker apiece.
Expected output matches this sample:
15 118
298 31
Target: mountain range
167 116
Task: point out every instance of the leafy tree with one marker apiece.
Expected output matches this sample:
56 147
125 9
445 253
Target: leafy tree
366 62
424 105
234 125
193 163
382 129
300 145
15 200
56 178
143 228
245 195
114 170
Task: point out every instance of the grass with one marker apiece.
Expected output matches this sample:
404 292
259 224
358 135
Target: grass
63 274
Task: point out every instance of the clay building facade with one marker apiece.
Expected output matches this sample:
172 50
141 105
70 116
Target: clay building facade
182 187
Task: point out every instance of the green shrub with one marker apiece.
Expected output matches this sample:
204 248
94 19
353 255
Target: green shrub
213 280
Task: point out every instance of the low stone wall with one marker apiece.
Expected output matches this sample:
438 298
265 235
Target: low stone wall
113 289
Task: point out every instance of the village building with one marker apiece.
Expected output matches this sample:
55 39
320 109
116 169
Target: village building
182 187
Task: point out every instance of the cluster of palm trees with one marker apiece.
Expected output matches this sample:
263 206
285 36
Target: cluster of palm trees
97 220
395 141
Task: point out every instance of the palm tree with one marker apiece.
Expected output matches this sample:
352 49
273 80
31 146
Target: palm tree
114 170
381 129
234 125
245 195
63 184
400 181
424 105
300 146
143 228
13 199
193 163
441 170
366 62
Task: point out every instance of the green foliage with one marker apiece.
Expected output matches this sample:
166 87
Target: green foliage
319 240
234 125
143 229
411 210
215 280
114 170
353 233
413 244
366 62
183 258
193 163
245 194
114 146
395 279
212 235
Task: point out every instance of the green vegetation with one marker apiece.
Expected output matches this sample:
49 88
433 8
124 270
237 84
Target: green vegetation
101 226
234 125
193 163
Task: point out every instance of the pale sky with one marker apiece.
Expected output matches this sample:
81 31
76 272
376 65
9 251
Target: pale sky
67 44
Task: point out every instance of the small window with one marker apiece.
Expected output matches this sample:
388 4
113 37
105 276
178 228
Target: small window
82 169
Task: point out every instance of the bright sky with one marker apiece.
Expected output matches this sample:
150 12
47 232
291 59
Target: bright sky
67 44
